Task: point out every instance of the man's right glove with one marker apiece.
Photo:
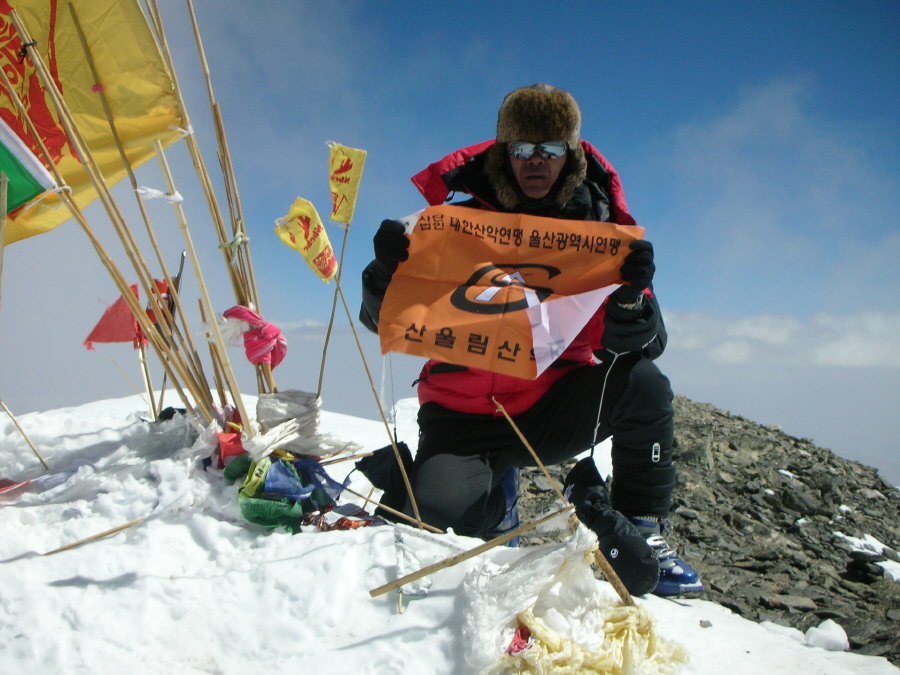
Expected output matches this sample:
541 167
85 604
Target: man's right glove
391 245
623 546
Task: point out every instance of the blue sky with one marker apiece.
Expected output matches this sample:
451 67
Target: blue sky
757 143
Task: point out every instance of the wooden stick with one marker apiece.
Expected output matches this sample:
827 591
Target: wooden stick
24 435
387 427
148 384
102 189
331 318
399 514
471 553
4 189
95 537
204 295
162 309
600 559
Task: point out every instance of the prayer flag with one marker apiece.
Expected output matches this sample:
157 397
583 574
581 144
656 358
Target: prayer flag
117 325
345 170
28 178
137 86
302 229
503 292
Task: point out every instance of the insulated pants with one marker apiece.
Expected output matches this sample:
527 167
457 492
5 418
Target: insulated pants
462 457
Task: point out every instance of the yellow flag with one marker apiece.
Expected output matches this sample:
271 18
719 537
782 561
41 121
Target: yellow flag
344 172
302 229
138 89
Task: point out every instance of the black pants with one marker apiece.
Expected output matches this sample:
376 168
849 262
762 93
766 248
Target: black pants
461 457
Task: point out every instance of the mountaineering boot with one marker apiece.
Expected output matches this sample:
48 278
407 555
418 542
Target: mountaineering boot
629 554
675 575
509 486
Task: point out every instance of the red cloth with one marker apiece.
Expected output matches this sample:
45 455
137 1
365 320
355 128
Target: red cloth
117 325
263 342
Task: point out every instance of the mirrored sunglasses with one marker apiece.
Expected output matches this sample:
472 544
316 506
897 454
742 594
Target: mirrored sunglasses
546 150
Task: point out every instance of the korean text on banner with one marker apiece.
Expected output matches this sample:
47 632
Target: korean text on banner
503 292
344 173
302 229
137 86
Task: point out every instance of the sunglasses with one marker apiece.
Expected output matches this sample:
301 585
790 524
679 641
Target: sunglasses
546 150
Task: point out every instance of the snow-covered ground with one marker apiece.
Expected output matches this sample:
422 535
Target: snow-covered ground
193 588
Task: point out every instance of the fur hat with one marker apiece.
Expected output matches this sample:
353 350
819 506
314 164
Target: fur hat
539 113
535 114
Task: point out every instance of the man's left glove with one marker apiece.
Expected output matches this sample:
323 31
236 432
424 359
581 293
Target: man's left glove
638 267
391 245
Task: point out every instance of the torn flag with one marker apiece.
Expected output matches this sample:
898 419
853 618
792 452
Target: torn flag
344 173
302 230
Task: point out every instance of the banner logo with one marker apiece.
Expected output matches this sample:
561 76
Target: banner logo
501 288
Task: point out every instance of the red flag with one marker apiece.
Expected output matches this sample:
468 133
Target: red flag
117 325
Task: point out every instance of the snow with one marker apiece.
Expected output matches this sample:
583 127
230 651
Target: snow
193 588
869 544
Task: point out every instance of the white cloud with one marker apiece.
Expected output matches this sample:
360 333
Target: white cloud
774 203
863 339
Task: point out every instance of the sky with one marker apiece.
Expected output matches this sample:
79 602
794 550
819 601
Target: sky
139 600
757 144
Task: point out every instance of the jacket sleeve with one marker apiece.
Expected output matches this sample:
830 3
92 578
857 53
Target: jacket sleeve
375 281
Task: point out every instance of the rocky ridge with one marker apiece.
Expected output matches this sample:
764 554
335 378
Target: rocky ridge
765 517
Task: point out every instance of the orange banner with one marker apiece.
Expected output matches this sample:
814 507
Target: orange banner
503 292
138 89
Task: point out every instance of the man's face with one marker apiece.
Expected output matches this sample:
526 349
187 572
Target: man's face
536 175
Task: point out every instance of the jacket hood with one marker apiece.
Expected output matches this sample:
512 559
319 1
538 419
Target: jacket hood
474 170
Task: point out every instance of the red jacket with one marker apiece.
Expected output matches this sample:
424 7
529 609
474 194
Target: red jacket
468 389
471 390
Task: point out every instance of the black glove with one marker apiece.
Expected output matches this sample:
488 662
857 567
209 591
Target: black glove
629 330
581 478
627 551
391 245
638 267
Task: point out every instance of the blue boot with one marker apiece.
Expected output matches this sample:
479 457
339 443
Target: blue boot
509 484
675 575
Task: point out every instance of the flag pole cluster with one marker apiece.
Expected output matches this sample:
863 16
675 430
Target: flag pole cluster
91 94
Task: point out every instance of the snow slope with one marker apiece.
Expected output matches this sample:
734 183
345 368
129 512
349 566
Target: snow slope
193 588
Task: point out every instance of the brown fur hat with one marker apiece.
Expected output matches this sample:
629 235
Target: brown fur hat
539 113
536 113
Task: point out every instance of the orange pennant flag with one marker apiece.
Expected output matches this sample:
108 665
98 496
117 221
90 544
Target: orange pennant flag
302 230
503 292
138 89
344 173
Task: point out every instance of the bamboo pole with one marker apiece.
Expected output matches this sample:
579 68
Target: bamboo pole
387 427
145 373
161 308
391 510
99 184
244 294
465 555
217 339
24 435
4 191
600 559
96 537
238 223
331 318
